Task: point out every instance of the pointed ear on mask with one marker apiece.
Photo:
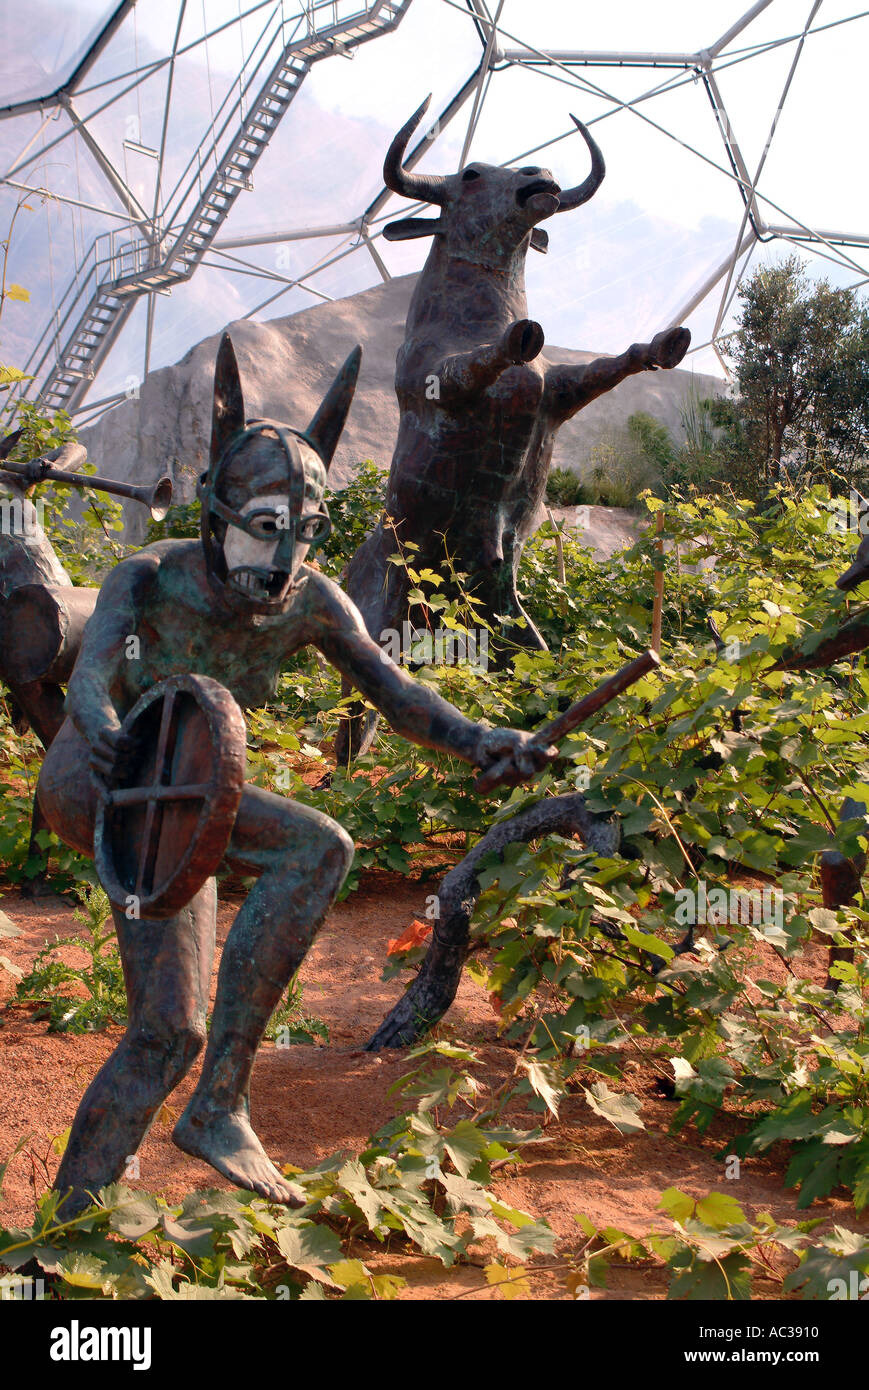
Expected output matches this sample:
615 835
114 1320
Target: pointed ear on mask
325 429
540 240
227 416
407 228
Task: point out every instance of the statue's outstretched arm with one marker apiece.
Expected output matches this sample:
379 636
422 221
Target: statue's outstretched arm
413 710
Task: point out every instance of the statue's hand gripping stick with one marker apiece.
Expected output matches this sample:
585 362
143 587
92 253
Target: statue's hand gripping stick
557 729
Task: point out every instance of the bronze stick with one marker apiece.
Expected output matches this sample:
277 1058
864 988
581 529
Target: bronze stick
559 727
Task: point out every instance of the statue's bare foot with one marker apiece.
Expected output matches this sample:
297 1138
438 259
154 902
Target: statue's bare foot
228 1143
523 341
668 348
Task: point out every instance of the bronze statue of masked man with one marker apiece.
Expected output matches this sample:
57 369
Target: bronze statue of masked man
232 606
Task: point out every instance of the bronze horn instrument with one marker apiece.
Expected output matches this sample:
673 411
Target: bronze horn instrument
157 497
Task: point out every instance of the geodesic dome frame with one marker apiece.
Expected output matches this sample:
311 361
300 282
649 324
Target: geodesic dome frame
148 247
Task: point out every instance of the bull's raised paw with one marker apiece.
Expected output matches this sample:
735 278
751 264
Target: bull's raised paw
523 340
668 348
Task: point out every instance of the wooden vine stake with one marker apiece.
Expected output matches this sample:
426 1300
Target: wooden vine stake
559 547
658 605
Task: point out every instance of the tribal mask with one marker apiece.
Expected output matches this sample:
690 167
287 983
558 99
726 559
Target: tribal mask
262 497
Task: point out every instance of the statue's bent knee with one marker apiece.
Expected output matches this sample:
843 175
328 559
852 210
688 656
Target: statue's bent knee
175 1047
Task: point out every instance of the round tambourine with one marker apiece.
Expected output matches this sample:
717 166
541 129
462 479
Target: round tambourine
164 826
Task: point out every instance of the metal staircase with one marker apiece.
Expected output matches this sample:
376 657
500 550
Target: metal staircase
120 267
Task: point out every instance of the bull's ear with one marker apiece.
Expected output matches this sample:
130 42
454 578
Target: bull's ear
407 228
227 415
8 443
540 240
325 429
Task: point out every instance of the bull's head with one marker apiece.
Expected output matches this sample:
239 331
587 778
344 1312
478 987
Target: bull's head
483 206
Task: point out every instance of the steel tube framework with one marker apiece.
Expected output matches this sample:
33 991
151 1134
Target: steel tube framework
155 251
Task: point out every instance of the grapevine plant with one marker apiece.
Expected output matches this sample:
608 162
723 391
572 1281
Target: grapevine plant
722 770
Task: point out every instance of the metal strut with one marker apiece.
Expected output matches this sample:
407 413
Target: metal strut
119 268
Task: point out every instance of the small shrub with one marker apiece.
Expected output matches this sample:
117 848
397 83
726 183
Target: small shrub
102 976
355 510
290 1024
565 489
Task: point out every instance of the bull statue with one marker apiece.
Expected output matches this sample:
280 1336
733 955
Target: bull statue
479 404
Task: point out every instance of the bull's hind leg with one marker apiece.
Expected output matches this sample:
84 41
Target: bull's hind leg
495 590
301 858
41 702
41 705
379 591
357 730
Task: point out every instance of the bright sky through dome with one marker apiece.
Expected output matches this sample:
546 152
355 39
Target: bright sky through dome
617 269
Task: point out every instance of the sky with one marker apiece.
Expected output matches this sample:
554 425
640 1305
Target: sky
618 269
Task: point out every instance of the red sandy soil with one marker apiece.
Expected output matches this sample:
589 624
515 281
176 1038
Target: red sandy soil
309 1102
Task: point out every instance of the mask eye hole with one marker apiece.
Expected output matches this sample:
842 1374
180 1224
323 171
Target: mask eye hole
314 528
469 174
264 525
529 171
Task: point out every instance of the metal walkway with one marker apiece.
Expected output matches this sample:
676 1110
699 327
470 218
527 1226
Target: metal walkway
119 268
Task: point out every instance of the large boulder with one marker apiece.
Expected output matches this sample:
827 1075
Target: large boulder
287 364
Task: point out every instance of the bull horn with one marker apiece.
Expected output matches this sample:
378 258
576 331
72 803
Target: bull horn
423 188
8 443
575 197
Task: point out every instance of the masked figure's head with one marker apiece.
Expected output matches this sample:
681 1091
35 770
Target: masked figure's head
262 497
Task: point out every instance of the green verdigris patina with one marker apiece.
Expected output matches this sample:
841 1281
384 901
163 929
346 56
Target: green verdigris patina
232 606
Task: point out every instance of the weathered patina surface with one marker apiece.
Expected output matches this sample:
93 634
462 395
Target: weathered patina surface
232 607
479 404
27 564
165 824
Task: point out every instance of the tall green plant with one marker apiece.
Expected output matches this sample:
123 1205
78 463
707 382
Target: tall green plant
799 352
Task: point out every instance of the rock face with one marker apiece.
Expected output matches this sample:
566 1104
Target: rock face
287 364
605 530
